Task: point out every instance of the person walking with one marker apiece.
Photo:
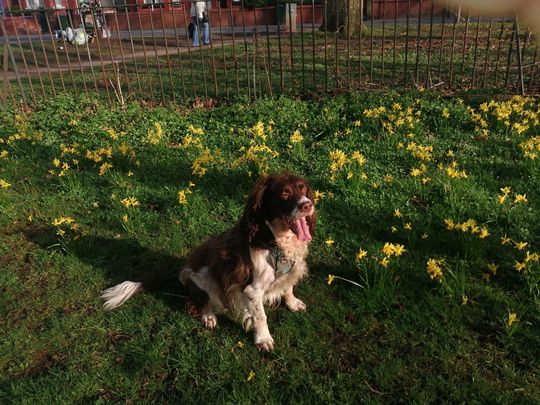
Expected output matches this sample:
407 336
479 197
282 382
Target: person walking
199 18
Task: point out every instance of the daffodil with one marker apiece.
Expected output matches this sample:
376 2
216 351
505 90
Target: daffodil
520 266
358 157
63 220
397 213
415 172
492 268
182 196
505 240
484 233
330 279
4 184
251 375
296 137
531 257
329 242
512 318
361 254
445 114
521 245
506 190
520 198
104 168
318 195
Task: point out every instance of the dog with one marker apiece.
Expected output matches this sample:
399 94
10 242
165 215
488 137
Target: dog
257 262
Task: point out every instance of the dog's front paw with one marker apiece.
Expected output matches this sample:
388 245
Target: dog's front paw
296 305
209 320
265 343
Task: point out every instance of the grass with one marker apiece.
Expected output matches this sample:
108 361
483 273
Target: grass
66 234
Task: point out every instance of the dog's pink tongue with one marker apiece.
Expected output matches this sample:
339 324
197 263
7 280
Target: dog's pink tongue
303 230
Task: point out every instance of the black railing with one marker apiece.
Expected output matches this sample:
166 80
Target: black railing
134 51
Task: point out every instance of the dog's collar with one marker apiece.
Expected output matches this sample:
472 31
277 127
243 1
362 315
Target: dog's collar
280 263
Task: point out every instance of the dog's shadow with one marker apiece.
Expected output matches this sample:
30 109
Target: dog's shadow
124 259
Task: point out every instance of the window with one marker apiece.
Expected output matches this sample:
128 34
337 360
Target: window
58 4
153 3
34 4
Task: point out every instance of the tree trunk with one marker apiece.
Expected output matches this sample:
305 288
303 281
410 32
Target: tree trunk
343 16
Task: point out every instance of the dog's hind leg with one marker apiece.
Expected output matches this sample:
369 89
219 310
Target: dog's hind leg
204 298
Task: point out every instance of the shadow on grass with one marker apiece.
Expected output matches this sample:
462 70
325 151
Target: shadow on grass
124 259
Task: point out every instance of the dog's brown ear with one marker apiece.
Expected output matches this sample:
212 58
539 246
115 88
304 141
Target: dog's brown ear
253 218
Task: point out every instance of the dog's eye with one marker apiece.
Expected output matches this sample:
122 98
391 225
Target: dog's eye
302 188
286 193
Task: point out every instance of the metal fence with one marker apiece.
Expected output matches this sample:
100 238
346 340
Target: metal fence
144 51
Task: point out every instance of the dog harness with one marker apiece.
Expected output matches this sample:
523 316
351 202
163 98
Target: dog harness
280 263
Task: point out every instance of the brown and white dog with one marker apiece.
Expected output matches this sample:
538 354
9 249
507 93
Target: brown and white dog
255 263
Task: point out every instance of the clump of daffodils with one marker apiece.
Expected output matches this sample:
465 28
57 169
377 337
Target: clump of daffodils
63 223
393 249
421 152
155 134
339 161
531 147
518 198
258 152
130 202
469 225
434 269
182 194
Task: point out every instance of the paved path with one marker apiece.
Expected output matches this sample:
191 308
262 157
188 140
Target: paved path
128 58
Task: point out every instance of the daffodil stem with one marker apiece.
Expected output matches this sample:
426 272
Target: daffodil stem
349 281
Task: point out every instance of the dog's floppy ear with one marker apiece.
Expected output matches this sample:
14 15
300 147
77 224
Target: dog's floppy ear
253 217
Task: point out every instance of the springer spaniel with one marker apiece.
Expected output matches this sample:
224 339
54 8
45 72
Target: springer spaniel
256 262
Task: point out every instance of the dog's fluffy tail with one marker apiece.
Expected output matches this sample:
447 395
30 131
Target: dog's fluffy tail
117 295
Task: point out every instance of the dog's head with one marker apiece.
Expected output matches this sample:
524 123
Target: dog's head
285 198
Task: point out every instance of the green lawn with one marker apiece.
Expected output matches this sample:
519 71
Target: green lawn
430 205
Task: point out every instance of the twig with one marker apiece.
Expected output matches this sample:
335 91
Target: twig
436 85
374 390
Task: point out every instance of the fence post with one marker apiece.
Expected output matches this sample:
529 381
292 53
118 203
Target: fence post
520 60
10 53
6 86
